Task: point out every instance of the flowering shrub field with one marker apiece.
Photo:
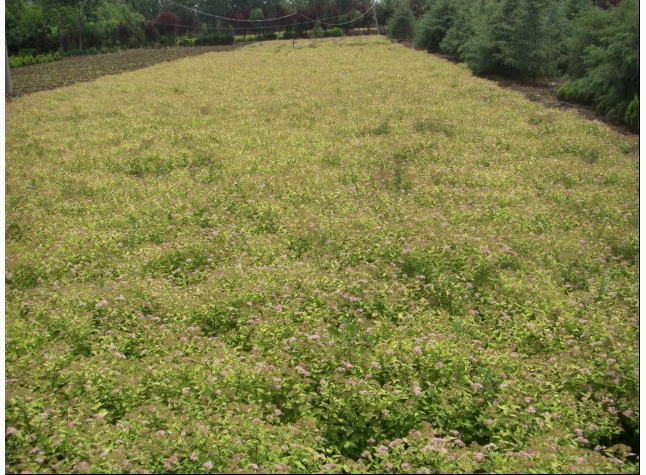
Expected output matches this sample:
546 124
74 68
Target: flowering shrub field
343 256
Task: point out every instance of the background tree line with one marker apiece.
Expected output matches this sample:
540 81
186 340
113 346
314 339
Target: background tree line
592 44
44 26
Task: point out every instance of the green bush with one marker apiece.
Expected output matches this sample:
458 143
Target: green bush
435 25
571 92
28 52
402 24
459 34
26 27
632 114
18 61
258 37
288 35
334 32
318 32
214 40
604 57
185 41
512 38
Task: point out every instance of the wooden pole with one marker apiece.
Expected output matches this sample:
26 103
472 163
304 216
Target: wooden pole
376 21
7 73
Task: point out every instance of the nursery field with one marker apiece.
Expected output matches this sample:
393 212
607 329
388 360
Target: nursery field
347 256
75 69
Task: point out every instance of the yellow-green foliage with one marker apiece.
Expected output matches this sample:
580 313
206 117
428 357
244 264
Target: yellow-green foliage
347 254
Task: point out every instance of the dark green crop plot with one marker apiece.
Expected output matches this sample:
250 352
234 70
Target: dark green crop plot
41 77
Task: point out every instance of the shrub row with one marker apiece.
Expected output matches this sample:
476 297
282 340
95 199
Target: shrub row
26 60
28 56
216 39
92 50
259 37
594 48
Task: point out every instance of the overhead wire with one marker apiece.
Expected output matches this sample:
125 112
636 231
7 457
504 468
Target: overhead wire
322 22
195 10
344 23
212 27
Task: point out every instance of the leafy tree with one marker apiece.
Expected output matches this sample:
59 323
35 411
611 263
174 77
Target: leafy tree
61 18
482 52
573 8
385 10
528 47
344 5
585 33
219 8
460 32
418 7
512 37
318 31
115 24
435 24
26 26
559 30
83 11
257 14
350 20
606 70
632 114
148 8
167 24
402 24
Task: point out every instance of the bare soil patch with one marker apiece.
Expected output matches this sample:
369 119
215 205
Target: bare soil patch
75 69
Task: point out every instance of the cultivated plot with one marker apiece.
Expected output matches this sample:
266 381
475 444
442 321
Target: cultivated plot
343 255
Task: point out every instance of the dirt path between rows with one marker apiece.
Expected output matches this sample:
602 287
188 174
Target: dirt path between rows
545 94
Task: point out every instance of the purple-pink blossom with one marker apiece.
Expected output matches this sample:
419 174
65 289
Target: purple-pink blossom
82 467
302 370
382 449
